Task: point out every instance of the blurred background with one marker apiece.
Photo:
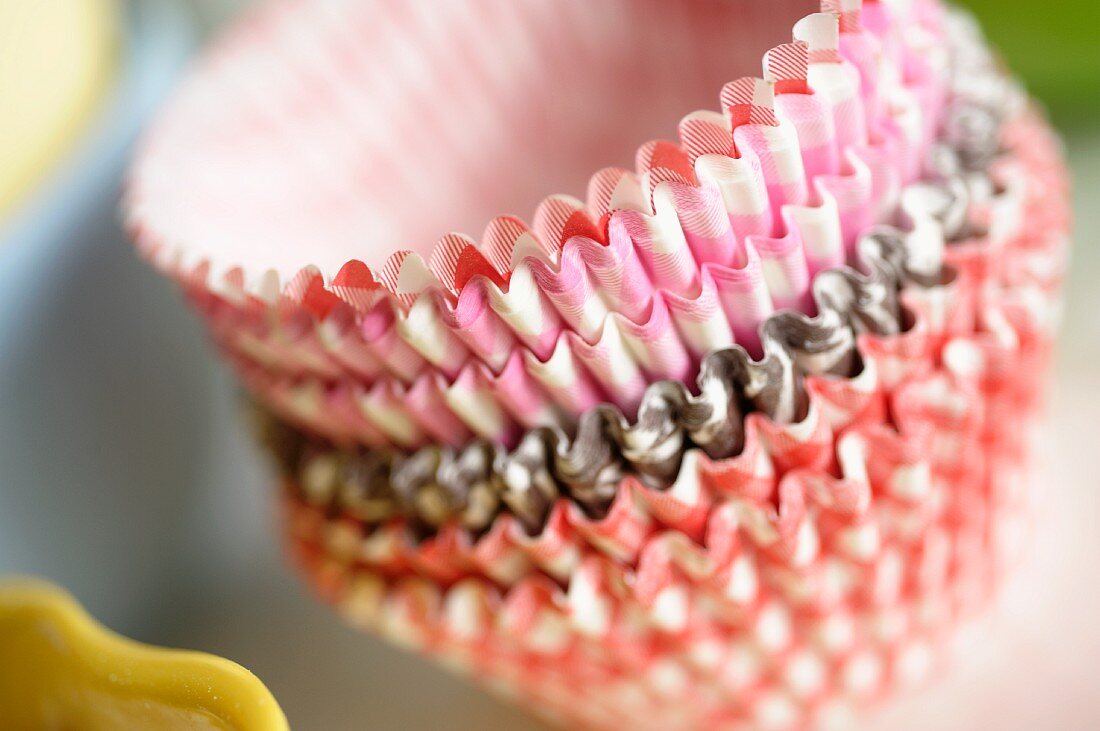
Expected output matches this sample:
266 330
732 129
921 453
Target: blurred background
125 474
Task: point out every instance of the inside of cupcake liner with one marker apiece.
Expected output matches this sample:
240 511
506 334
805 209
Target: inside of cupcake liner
375 148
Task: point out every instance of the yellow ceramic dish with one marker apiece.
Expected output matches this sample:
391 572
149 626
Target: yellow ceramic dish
57 58
59 669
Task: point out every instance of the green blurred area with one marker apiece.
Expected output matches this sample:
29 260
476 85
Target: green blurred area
1054 46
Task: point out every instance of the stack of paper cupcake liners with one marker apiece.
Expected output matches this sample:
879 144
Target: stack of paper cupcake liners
735 443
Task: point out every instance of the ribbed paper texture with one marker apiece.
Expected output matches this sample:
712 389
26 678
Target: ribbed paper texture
734 442
537 323
817 571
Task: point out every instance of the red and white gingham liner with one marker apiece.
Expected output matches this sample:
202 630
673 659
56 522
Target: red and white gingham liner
595 299
819 570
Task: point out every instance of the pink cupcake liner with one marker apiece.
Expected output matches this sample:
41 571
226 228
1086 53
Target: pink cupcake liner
643 238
